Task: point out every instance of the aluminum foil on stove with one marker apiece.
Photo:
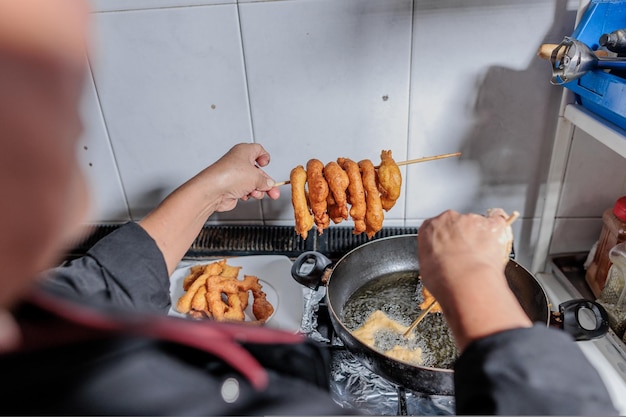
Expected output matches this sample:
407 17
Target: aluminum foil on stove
308 325
354 386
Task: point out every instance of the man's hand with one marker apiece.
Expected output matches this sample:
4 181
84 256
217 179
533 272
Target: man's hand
239 175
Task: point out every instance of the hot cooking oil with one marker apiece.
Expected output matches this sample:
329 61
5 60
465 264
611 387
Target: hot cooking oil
398 295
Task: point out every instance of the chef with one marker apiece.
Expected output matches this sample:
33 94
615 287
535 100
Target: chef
91 337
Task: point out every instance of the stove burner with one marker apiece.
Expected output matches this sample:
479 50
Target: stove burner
261 240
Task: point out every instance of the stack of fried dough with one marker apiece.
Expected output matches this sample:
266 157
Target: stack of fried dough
214 291
322 193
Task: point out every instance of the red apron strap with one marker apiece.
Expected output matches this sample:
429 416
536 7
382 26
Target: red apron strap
219 339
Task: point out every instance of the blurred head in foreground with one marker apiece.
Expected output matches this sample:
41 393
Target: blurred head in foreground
43 194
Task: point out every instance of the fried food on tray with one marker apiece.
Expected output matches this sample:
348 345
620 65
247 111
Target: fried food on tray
198 302
233 272
338 182
184 302
374 210
197 270
318 193
220 287
214 291
356 194
389 180
304 218
194 273
261 308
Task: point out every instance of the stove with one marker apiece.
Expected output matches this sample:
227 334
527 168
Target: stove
564 280
353 385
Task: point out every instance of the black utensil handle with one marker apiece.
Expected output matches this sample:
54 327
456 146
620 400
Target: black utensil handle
569 311
308 269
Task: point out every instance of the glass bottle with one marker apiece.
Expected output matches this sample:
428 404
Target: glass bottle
613 232
613 295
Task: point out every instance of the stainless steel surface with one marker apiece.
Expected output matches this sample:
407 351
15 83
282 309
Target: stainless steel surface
572 59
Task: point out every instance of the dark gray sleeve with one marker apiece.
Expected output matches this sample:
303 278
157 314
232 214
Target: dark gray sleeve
537 371
124 269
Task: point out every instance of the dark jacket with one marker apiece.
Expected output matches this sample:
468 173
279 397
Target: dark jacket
114 363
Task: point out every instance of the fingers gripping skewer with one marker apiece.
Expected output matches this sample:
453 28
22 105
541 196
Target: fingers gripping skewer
434 303
408 162
512 218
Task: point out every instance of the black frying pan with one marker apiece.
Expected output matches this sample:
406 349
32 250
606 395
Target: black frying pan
398 255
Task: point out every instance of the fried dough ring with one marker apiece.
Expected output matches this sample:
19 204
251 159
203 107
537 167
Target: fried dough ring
214 291
338 182
374 210
230 271
318 193
389 180
303 217
261 308
356 194
218 285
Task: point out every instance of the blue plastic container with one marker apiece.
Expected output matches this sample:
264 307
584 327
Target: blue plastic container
601 92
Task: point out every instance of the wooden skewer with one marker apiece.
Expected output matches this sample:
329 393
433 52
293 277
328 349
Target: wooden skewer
419 318
410 161
545 52
509 220
434 303
425 159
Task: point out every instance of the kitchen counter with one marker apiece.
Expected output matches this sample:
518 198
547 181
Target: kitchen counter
565 281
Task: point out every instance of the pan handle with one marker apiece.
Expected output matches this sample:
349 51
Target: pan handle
568 319
309 269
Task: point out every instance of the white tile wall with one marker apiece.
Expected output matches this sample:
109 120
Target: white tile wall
108 202
180 81
173 92
595 178
327 79
478 87
118 5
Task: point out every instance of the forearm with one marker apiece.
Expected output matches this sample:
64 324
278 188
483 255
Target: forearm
176 222
481 305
